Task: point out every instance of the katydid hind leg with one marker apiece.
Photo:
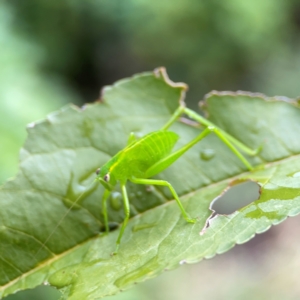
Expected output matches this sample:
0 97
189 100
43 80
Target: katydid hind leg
172 190
232 147
168 160
197 117
174 117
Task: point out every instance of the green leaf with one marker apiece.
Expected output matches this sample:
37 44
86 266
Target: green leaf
46 239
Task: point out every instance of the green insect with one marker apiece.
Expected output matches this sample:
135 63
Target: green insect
150 155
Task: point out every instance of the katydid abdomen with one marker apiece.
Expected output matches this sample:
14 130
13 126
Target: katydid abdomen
137 158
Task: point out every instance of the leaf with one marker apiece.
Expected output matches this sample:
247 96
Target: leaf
43 238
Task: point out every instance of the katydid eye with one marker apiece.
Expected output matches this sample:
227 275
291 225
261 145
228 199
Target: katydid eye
98 171
106 177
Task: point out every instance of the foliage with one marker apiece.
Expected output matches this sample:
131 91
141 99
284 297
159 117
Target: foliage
44 239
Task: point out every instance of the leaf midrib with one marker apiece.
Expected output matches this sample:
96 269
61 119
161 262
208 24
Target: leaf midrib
190 194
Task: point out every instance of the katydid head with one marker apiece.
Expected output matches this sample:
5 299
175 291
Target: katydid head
106 178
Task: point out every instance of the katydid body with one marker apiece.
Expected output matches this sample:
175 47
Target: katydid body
148 156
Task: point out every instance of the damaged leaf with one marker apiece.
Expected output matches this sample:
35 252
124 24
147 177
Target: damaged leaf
46 239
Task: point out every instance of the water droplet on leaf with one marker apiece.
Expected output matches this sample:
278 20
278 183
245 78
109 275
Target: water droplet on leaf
116 200
207 154
149 188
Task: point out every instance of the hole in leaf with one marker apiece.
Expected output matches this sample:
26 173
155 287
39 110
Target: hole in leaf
236 196
239 194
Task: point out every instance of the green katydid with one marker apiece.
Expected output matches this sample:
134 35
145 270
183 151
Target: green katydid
148 156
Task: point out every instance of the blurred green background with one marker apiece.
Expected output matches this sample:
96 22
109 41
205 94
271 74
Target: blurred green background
55 52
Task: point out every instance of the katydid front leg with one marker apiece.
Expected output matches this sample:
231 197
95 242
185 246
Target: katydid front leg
127 214
126 211
104 209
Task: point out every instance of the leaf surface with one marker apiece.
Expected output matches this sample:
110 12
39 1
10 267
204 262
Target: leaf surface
45 237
